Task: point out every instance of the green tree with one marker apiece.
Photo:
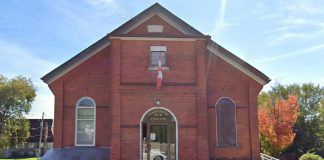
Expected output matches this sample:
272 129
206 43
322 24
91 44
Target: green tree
308 133
16 97
310 156
309 136
321 126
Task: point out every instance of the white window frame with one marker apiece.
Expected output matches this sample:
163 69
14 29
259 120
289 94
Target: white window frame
158 49
76 121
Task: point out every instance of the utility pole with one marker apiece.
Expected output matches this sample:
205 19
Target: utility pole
40 137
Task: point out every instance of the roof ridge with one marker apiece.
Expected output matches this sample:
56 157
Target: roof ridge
156 8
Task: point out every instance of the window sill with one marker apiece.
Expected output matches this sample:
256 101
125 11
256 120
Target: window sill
227 146
156 68
84 145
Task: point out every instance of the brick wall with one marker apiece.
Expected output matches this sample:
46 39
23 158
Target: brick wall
226 81
119 81
91 78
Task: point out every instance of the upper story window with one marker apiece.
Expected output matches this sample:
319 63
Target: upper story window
85 122
226 123
158 52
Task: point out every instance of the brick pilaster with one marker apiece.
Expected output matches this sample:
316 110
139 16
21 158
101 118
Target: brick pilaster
115 100
202 115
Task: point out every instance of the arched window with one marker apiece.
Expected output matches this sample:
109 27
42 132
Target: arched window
226 123
85 129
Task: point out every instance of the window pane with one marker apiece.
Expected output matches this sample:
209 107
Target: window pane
85 126
85 132
226 127
85 113
86 102
155 58
85 139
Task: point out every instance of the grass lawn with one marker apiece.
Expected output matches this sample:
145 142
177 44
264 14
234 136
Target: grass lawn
21 159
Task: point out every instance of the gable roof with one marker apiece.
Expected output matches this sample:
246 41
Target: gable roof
76 60
176 22
157 9
237 62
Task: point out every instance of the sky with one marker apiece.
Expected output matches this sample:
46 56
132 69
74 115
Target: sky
283 39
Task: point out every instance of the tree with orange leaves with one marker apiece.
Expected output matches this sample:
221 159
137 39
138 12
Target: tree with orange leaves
276 120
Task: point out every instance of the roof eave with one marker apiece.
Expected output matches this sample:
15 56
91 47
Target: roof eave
76 60
237 62
156 9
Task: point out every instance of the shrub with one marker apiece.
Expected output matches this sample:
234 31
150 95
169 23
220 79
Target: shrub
310 156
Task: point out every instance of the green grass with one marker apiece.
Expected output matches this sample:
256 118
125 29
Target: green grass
21 159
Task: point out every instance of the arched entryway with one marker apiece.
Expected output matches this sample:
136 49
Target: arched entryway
158 135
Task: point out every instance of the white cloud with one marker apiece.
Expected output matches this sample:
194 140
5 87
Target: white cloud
284 36
15 61
72 16
306 7
220 23
291 21
106 8
295 53
222 13
87 17
18 59
101 3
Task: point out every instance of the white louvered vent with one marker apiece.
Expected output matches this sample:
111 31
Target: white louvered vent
155 28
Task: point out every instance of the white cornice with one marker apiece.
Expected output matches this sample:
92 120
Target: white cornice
162 16
156 38
71 67
215 51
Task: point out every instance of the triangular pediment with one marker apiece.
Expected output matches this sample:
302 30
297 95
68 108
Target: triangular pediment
157 16
155 25
152 14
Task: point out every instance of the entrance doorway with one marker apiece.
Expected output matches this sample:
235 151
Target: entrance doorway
158 135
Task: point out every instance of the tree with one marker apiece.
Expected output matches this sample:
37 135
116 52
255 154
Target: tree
309 127
16 97
310 156
276 121
309 137
321 123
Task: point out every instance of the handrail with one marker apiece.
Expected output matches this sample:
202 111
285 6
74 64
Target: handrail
267 157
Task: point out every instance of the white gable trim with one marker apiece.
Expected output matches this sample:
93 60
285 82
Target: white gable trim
161 15
71 67
235 64
154 38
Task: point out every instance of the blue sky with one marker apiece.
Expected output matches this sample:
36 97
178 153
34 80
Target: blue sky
284 39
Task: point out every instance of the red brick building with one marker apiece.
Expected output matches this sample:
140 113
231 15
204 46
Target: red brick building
106 96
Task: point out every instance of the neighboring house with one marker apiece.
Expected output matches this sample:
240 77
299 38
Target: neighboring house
29 148
33 140
106 96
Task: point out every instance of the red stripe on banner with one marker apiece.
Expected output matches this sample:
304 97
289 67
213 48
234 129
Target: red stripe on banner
160 75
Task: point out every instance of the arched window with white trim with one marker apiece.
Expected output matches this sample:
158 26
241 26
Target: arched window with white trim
85 128
226 123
